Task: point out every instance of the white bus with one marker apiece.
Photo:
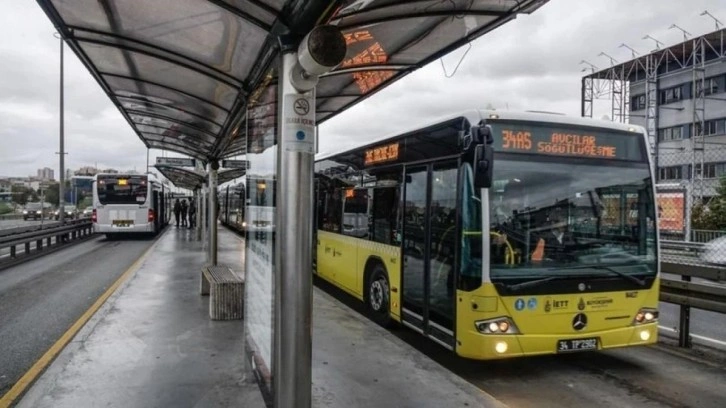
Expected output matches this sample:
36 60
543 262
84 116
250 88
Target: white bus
129 203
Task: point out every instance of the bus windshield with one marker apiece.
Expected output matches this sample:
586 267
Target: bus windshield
568 217
121 189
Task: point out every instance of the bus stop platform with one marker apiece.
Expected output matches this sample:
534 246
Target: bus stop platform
152 344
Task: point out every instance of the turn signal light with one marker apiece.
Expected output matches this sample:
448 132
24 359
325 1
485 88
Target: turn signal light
151 215
94 216
646 315
500 325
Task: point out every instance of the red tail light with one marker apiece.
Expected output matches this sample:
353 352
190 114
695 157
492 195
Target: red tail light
94 216
151 215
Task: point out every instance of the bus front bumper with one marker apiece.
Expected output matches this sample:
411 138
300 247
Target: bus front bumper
487 346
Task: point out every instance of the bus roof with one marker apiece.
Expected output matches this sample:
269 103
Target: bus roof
476 116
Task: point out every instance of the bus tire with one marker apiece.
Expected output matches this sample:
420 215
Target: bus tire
378 296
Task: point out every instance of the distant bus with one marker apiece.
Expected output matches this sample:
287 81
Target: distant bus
232 206
129 203
553 251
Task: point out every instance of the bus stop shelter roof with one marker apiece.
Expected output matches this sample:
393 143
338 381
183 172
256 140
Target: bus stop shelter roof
182 178
184 73
190 179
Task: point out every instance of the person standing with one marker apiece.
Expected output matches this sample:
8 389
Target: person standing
192 214
177 211
184 209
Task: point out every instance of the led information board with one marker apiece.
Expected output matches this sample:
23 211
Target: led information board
381 154
522 137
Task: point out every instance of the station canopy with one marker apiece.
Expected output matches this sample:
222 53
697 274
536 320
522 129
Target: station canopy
191 180
185 73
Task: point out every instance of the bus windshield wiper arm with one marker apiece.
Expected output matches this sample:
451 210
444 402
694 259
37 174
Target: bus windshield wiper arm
529 284
629 277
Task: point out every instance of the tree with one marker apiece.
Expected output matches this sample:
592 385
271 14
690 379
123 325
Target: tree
22 194
713 215
51 194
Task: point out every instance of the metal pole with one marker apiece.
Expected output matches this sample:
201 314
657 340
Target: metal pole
292 359
198 223
147 160
61 187
213 167
203 224
684 323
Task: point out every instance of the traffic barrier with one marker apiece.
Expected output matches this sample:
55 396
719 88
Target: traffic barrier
38 242
707 295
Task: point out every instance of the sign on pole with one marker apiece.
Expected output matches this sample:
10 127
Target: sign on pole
235 164
176 161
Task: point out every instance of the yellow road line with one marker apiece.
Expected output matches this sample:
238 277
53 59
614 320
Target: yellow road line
30 376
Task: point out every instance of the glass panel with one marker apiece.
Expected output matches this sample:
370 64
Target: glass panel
128 87
443 244
414 240
171 112
143 123
198 29
260 243
386 227
558 219
355 213
115 61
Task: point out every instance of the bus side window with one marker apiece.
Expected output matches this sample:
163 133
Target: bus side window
385 215
332 217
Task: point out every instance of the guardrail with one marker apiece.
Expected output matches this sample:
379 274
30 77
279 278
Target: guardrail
707 295
23 246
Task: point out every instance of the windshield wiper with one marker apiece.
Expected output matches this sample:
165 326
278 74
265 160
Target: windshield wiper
530 284
629 277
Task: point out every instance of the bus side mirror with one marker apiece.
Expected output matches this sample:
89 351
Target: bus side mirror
483 166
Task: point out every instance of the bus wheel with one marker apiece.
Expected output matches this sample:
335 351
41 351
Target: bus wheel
378 296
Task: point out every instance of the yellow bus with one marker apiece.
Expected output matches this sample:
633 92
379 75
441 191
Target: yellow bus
497 234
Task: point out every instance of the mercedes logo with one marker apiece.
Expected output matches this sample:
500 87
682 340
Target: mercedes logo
579 322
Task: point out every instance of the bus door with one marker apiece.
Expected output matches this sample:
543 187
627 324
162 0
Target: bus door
155 207
429 248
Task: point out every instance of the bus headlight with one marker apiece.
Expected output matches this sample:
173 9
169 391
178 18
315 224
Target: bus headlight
645 315
499 325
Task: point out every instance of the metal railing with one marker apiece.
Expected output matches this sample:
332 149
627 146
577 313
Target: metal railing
21 246
706 235
706 294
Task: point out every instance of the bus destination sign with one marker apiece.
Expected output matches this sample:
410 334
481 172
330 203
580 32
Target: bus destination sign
551 140
381 154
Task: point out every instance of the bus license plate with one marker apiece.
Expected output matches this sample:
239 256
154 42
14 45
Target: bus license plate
123 223
564 346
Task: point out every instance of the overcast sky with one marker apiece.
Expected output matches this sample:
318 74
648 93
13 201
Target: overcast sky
532 63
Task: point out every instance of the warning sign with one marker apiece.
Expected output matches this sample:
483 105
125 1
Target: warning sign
298 133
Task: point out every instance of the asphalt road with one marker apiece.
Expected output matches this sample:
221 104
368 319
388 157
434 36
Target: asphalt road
41 299
4 224
656 376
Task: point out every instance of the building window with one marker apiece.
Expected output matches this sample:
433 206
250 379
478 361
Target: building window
671 133
637 102
710 170
671 95
711 127
670 173
711 85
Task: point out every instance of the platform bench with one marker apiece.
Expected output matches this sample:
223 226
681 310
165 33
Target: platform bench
225 290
